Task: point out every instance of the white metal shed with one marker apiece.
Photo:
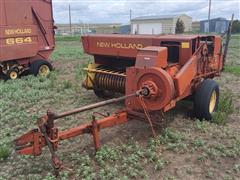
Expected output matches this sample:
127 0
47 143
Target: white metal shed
164 24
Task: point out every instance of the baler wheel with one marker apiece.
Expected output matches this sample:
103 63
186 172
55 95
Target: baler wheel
206 99
41 68
103 93
13 74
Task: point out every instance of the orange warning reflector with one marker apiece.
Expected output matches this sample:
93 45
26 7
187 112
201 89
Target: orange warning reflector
185 45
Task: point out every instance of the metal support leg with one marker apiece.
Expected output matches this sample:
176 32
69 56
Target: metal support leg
95 133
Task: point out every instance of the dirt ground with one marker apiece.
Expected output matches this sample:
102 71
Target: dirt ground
185 149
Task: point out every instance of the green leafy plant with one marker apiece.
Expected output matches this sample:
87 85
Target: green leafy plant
67 84
225 107
4 152
160 164
198 142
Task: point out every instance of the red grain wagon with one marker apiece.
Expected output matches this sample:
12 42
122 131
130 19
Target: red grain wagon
26 37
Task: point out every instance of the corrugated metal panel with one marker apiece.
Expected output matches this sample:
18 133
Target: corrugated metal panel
218 25
150 28
125 29
168 25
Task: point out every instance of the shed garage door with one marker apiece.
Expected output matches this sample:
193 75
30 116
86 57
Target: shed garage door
150 28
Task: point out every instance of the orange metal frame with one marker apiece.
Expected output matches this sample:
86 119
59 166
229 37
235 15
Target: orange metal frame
48 135
32 142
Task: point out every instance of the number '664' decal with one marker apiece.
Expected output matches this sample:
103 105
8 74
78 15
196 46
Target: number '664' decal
20 40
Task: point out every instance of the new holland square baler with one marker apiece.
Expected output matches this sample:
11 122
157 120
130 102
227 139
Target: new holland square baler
152 72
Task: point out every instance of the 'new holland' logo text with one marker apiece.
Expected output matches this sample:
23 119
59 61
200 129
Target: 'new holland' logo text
119 45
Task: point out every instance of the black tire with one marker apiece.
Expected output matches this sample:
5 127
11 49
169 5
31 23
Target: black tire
103 93
35 66
202 97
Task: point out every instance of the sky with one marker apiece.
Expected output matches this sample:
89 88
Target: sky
118 11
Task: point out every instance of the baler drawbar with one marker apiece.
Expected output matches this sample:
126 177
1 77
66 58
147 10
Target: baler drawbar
48 135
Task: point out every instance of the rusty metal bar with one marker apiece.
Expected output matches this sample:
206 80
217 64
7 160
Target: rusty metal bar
92 106
56 162
229 32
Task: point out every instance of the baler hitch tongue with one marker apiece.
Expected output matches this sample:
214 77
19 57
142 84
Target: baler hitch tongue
29 143
32 142
46 134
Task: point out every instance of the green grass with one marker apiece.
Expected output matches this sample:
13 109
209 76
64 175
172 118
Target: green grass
232 69
69 48
64 50
67 38
233 55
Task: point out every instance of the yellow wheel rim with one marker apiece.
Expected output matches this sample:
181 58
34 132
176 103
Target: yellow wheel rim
13 75
213 101
44 70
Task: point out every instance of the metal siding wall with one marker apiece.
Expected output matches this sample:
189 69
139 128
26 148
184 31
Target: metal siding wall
134 28
213 25
221 26
167 24
150 28
201 26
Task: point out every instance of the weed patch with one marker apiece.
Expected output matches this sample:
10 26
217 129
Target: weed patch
202 125
173 140
236 168
225 107
4 152
198 143
67 84
160 164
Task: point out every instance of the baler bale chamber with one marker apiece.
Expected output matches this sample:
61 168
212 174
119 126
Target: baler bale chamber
26 37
